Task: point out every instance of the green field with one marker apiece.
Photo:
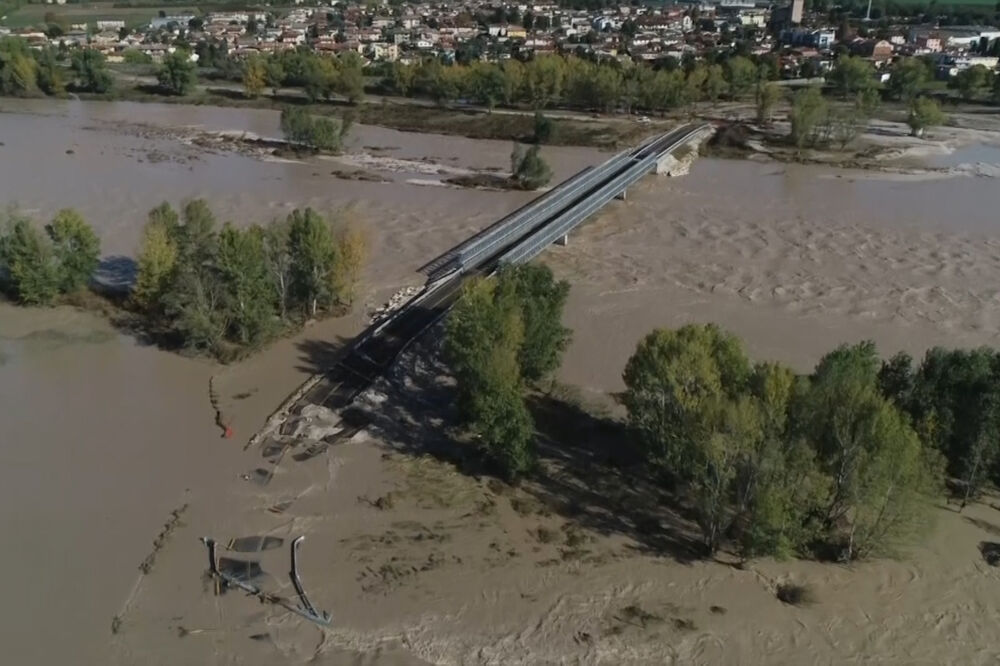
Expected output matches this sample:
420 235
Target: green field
34 14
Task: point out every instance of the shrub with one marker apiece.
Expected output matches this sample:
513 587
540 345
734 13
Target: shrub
795 594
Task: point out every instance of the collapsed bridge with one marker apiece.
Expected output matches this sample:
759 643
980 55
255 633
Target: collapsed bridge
516 238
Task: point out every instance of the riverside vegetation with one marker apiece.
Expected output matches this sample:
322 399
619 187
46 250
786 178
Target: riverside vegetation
550 81
219 291
844 463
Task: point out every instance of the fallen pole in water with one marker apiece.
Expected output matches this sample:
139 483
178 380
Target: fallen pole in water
306 609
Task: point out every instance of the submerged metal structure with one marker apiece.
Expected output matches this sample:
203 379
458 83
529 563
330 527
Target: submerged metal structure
303 608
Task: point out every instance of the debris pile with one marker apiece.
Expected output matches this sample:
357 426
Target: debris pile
395 302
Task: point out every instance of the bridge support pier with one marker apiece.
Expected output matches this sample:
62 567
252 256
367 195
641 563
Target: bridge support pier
623 196
564 240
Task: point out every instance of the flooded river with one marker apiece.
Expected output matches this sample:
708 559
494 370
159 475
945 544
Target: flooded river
103 437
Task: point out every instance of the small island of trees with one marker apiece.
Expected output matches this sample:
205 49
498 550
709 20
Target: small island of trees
843 463
218 291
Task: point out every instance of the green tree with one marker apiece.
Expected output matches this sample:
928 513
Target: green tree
90 71
687 399
673 382
809 112
844 126
247 290
513 75
444 84
49 73
351 77
768 96
195 307
924 112
484 333
971 81
29 269
486 84
76 247
715 85
544 128
835 415
851 74
274 74
778 486
528 170
741 74
197 238
351 246
314 132
403 78
254 76
881 475
18 71
158 255
694 84
607 87
954 398
907 78
867 102
319 78
541 299
194 301
893 487
668 90
543 79
177 75
279 263
312 251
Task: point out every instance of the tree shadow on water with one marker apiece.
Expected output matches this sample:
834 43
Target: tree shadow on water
318 355
115 274
590 472
587 473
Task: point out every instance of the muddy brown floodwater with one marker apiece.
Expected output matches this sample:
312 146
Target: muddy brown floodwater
106 441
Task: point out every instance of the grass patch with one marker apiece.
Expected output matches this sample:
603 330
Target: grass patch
526 506
501 126
546 535
795 594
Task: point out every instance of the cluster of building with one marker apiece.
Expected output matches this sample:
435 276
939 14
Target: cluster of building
494 30
951 48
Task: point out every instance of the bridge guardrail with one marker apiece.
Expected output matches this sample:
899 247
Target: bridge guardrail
536 214
521 221
533 245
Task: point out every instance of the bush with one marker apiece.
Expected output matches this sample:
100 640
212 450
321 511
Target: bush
226 291
528 170
795 594
544 128
136 57
809 112
314 132
779 461
177 75
77 249
924 112
35 268
91 71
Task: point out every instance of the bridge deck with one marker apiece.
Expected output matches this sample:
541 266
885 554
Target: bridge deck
516 238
